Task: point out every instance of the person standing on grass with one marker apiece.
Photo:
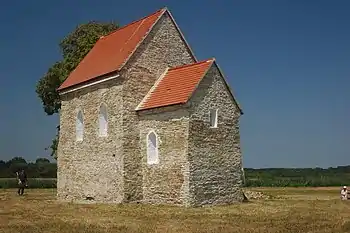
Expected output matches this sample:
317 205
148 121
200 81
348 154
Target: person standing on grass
22 181
344 193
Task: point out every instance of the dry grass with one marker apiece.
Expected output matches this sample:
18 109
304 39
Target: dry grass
299 210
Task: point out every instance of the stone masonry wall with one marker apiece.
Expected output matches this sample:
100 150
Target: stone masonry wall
92 167
162 48
167 181
214 153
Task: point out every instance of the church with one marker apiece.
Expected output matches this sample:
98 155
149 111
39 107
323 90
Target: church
143 121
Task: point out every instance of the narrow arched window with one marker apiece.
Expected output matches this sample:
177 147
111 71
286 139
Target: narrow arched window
103 121
79 126
213 118
152 148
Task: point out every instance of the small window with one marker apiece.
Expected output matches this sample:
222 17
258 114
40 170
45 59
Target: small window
152 148
79 126
213 118
103 121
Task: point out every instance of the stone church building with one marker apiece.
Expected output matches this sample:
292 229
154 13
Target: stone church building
142 120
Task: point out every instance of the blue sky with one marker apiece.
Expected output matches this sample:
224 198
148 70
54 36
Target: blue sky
288 62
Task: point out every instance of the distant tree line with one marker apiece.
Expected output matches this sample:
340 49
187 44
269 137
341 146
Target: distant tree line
297 177
41 168
42 174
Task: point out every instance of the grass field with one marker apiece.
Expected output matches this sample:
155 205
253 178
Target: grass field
293 210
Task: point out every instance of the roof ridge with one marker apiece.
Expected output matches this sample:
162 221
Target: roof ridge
192 64
150 92
137 29
135 21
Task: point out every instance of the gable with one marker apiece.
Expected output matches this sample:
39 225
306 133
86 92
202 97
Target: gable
229 89
213 92
112 52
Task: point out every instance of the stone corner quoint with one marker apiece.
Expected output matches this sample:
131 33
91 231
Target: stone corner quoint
143 121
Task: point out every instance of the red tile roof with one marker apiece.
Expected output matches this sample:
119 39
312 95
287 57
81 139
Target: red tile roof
176 85
112 51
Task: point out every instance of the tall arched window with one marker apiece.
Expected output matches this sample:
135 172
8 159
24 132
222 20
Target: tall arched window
152 148
103 121
79 126
213 118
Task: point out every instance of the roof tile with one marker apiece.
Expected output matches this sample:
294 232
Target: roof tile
111 51
176 85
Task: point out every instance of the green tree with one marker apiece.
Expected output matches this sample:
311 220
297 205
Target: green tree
73 47
42 161
16 160
16 163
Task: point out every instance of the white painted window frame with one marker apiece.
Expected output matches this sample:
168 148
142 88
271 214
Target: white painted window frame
79 122
150 159
103 126
215 111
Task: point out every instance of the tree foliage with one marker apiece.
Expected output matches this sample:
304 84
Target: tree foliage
41 168
296 177
42 161
74 48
